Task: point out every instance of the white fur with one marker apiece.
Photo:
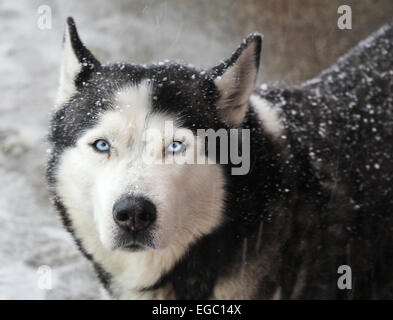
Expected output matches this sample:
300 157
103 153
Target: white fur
188 198
70 67
268 115
236 86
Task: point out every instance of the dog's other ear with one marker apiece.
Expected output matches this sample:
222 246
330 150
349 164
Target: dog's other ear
76 65
235 80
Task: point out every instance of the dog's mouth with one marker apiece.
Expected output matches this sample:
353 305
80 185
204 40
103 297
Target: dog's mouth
135 246
134 243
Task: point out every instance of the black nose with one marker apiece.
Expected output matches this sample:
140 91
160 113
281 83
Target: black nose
135 213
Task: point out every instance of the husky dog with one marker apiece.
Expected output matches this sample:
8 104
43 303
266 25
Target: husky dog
314 205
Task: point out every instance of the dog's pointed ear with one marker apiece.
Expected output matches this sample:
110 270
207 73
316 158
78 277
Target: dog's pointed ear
77 62
235 80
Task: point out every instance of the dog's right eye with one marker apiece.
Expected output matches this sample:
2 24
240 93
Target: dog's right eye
101 145
175 147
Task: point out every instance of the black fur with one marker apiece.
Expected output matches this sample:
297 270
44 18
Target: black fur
88 61
309 202
342 122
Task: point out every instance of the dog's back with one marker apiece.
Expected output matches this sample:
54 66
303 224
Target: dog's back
341 123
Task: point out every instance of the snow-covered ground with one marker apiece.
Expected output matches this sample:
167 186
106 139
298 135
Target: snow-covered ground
31 234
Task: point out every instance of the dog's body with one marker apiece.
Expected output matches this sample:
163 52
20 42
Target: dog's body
317 195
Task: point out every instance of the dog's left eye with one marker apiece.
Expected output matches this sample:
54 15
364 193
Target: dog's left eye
101 145
175 147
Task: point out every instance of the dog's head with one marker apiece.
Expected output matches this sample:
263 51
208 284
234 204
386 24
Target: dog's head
127 163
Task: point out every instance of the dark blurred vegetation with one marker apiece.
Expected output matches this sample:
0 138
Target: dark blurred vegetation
301 36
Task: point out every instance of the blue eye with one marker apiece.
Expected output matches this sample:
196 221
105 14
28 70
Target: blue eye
175 147
101 145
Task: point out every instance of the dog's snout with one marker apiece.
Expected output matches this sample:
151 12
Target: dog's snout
135 213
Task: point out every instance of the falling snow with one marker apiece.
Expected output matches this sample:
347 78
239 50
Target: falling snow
25 212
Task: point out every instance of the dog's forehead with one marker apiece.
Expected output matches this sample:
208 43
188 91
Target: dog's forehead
177 81
182 91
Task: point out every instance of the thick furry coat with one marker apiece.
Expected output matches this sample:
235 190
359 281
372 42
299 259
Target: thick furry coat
318 194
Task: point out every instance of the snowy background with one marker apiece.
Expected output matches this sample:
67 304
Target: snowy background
300 40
